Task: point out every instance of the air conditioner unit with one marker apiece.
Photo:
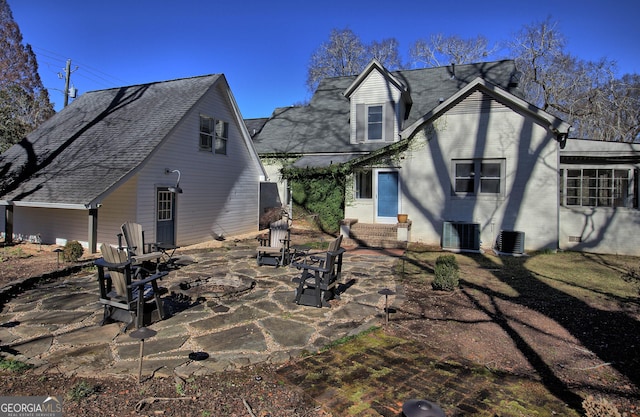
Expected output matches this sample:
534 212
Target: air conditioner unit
461 236
510 241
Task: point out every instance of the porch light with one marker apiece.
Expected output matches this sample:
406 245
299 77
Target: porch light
177 188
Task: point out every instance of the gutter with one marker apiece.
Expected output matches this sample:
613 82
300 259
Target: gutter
66 206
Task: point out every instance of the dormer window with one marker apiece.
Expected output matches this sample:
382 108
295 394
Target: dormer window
374 122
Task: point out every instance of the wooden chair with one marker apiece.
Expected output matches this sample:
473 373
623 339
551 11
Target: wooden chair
275 248
140 253
319 279
124 290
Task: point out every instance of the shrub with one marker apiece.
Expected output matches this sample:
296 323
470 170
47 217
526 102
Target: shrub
72 251
446 271
81 390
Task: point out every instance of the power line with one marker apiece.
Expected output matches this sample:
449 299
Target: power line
92 74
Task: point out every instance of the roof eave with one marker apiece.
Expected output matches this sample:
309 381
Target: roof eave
374 64
44 204
554 124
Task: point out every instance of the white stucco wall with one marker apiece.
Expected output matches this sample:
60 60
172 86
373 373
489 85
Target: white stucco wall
600 230
530 200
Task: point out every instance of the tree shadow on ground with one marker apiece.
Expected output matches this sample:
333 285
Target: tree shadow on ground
611 335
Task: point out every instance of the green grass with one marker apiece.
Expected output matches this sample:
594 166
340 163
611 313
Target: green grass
587 277
14 365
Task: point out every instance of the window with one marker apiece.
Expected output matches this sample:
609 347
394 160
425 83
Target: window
374 123
222 134
165 211
206 133
364 184
478 176
213 132
595 187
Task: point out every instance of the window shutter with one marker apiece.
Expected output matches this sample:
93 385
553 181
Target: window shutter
389 118
360 122
636 177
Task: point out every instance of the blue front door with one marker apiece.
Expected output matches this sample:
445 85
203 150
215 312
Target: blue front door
165 217
387 196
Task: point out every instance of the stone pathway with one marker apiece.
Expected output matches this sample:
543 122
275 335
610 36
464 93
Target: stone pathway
223 305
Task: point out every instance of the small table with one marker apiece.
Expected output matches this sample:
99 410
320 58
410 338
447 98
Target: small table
300 251
165 248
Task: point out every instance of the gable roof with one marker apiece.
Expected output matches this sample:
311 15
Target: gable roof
559 127
96 142
323 125
374 65
553 123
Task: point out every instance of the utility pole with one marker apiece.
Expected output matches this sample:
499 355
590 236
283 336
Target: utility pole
67 79
67 76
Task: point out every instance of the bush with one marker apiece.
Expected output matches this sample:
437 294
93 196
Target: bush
72 251
447 273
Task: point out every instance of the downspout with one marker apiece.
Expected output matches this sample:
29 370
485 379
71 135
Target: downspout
561 142
8 224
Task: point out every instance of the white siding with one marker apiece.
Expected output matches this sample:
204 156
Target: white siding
61 225
530 201
53 225
221 192
374 90
117 208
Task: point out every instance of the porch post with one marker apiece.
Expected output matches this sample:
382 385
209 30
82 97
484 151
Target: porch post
8 224
93 230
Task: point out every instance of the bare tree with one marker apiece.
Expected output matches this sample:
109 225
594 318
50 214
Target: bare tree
24 102
584 93
343 54
386 52
442 50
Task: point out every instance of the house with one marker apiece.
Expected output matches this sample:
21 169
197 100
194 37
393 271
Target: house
599 197
456 148
174 156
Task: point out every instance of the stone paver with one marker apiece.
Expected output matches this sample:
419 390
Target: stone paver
230 308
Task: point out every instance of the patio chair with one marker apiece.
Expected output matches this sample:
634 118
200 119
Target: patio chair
275 248
124 289
319 279
140 253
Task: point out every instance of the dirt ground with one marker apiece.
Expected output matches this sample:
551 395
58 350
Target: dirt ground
502 335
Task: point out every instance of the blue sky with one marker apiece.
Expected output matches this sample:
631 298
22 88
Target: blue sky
263 48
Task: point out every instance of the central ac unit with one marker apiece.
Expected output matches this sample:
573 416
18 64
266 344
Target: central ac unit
461 236
510 241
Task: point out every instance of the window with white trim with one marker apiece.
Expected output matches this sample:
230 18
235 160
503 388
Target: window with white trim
206 133
478 177
374 122
596 187
364 184
214 135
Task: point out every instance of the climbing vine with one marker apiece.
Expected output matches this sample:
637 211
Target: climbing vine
324 191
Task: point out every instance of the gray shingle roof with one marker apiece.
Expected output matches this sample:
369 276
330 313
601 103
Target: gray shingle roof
96 141
323 125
